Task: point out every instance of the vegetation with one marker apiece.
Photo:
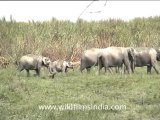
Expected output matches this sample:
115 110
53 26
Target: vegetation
20 96
49 37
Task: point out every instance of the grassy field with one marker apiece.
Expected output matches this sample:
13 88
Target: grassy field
20 96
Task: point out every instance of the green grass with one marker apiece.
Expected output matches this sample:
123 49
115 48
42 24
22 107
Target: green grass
20 96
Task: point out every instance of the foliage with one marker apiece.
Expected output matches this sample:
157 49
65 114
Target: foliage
57 38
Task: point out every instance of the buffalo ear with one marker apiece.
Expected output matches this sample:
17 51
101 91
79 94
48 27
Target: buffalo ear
131 53
45 61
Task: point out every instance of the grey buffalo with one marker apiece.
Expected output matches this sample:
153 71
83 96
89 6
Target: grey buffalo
32 62
116 57
59 66
89 59
147 57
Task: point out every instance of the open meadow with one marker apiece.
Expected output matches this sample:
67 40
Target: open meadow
21 96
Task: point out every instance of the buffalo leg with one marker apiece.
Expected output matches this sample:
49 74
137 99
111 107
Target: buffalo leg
28 73
81 69
109 69
127 65
52 76
156 69
149 69
38 72
155 66
99 68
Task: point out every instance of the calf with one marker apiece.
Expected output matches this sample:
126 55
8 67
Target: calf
59 66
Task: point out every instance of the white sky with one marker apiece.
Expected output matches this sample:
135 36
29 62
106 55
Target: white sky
45 10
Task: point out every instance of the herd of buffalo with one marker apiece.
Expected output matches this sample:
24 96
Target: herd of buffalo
118 57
